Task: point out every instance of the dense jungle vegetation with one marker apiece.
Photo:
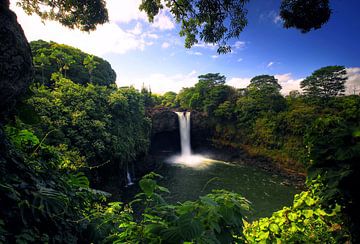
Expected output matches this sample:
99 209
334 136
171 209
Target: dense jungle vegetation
67 136
74 127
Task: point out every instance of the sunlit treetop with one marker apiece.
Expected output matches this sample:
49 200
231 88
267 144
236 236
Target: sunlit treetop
83 14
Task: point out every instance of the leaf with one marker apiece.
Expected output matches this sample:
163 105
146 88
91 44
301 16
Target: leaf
274 228
147 186
208 201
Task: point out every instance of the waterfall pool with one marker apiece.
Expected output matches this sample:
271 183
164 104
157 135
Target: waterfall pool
267 192
188 176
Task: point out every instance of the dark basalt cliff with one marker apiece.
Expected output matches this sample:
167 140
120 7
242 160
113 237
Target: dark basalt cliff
15 59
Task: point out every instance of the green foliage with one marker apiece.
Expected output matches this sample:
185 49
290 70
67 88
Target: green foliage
306 221
104 124
209 21
169 100
206 95
80 67
305 15
325 82
214 218
73 14
42 200
217 22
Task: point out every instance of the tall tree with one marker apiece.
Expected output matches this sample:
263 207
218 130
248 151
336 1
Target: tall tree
325 82
213 78
265 81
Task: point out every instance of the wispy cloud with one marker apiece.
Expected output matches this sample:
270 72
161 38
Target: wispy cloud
214 56
113 37
272 16
165 45
163 21
205 45
190 52
239 44
161 83
239 59
270 64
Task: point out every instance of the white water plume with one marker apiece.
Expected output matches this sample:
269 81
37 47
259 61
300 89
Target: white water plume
187 158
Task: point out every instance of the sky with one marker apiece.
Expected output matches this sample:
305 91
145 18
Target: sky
153 54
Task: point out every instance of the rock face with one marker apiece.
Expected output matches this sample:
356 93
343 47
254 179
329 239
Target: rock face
165 130
15 59
163 120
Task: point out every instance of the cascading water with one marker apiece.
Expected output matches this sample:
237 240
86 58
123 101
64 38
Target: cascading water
129 181
187 158
184 124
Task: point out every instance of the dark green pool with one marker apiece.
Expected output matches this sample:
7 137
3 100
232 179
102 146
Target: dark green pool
267 192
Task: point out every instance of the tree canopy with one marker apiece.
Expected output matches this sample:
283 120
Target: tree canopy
304 14
84 15
325 82
78 66
211 21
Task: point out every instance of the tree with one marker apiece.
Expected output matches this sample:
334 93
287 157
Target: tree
84 15
214 78
305 14
41 60
218 21
265 82
325 82
83 68
90 65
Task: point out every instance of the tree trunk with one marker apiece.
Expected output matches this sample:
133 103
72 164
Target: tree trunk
16 71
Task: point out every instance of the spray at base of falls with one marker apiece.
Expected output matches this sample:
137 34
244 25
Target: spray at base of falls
187 158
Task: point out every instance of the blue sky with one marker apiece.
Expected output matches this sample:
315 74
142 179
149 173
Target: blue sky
153 54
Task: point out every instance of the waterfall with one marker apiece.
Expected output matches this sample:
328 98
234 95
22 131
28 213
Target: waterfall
129 181
184 126
187 158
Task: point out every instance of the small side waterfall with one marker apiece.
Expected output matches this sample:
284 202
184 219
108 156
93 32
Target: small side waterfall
129 181
184 126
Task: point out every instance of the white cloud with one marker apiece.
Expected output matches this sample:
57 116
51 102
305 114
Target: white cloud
194 53
277 19
270 64
163 21
214 56
205 45
271 16
239 59
161 83
107 38
288 83
137 29
353 83
125 11
239 82
239 44
165 45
